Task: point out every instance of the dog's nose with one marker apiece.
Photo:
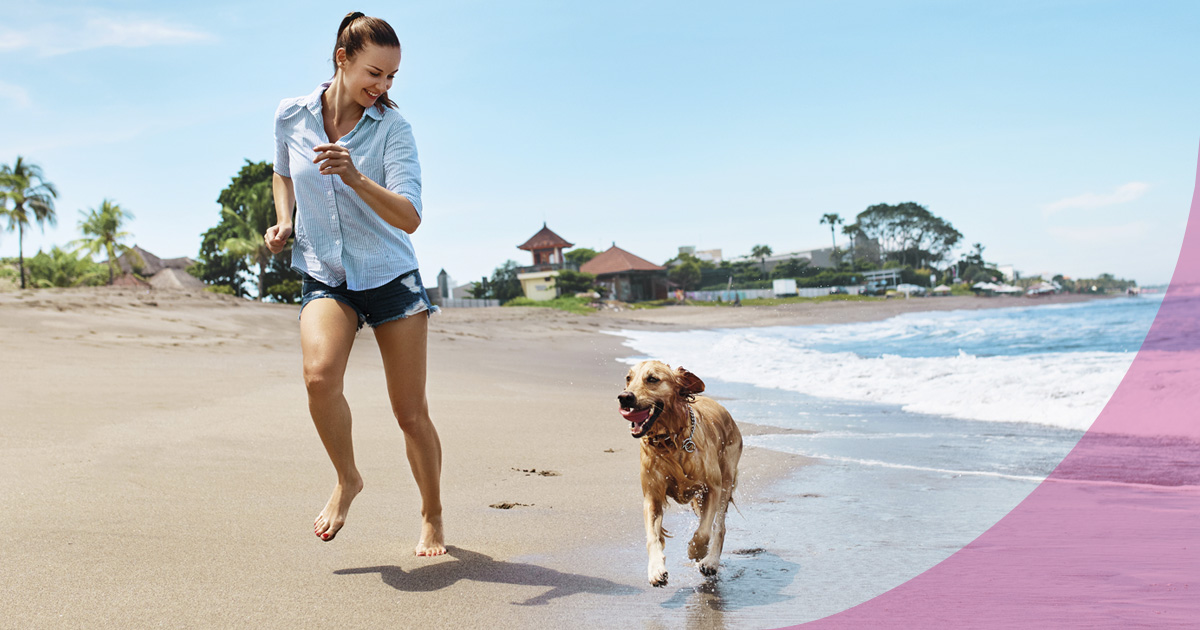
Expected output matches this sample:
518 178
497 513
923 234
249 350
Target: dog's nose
627 399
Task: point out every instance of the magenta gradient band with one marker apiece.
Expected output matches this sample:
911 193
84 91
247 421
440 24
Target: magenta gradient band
1111 539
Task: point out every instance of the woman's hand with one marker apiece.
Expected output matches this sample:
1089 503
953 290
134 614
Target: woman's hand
277 236
337 162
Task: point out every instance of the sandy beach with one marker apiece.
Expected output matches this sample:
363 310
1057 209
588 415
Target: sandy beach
161 468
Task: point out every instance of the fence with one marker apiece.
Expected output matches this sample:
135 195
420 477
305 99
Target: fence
467 303
756 294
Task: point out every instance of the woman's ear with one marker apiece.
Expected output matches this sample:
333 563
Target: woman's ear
688 383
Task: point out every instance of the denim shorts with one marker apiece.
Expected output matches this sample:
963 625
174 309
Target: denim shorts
403 297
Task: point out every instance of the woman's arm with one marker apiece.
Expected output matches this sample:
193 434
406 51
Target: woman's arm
396 209
285 200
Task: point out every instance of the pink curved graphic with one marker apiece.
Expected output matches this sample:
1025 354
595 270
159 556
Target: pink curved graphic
1111 539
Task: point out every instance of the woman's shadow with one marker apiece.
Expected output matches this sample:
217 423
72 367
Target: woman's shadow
480 568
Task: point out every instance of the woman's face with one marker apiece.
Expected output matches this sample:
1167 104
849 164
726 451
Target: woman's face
369 74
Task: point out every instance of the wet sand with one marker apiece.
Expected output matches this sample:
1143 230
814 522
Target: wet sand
161 470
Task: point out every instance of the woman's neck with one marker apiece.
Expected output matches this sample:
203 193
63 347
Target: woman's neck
339 105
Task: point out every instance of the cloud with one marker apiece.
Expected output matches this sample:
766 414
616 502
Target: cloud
67 36
1123 194
16 94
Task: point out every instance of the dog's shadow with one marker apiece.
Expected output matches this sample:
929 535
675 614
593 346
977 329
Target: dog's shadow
750 578
470 565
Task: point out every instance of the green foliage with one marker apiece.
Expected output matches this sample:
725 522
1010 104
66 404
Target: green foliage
24 197
58 268
833 219
983 275
223 289
580 255
504 284
101 228
791 268
236 242
908 233
1104 283
686 275
682 258
482 290
570 304
286 291
572 282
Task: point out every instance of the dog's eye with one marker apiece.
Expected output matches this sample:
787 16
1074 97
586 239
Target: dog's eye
628 378
651 379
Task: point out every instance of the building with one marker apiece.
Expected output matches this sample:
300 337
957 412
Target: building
537 280
864 248
710 255
627 277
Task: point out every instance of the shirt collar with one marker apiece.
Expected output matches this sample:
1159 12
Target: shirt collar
313 103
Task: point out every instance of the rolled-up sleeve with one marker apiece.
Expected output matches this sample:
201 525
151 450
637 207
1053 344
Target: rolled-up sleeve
402 171
281 148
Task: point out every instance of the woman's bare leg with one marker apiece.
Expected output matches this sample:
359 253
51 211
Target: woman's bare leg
327 330
403 343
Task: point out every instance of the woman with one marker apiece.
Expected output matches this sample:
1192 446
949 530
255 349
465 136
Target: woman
346 160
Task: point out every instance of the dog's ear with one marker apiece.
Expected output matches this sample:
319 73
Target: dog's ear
688 383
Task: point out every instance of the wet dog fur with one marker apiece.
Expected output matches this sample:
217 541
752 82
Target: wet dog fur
655 402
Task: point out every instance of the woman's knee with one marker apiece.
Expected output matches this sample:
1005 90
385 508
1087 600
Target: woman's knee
413 419
322 381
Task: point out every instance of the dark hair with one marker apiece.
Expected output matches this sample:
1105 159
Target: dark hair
355 32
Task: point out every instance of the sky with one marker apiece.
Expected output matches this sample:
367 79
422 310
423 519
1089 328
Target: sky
1062 135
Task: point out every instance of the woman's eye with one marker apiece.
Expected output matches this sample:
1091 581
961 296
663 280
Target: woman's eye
374 74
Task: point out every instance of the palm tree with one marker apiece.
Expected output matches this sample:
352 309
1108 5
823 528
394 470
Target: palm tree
31 196
248 240
103 226
761 252
832 219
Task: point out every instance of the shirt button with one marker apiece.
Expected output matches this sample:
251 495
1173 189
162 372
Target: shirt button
329 192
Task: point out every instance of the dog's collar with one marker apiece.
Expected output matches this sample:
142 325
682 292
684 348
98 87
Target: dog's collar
660 440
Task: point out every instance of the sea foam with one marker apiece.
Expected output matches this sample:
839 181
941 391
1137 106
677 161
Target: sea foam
1062 389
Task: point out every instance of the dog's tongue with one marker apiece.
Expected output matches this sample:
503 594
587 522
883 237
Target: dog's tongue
636 415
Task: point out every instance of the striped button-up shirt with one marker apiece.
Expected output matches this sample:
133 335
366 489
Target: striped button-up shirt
339 238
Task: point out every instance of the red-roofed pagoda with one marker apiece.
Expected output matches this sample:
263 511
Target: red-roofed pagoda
537 280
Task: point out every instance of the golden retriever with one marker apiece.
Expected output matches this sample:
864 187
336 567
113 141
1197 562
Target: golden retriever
690 452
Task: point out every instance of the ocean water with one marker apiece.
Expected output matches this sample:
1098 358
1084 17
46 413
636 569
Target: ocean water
1054 365
927 428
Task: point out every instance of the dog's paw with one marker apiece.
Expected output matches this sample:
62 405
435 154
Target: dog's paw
709 568
659 579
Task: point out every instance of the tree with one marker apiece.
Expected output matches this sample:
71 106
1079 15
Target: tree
791 268
248 228
504 283
686 275
833 219
249 196
58 268
571 282
101 229
908 233
761 252
580 255
32 197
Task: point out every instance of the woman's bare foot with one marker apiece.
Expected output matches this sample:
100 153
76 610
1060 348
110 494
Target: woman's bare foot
331 519
432 541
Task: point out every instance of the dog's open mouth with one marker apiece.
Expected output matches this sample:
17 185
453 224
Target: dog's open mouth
640 420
